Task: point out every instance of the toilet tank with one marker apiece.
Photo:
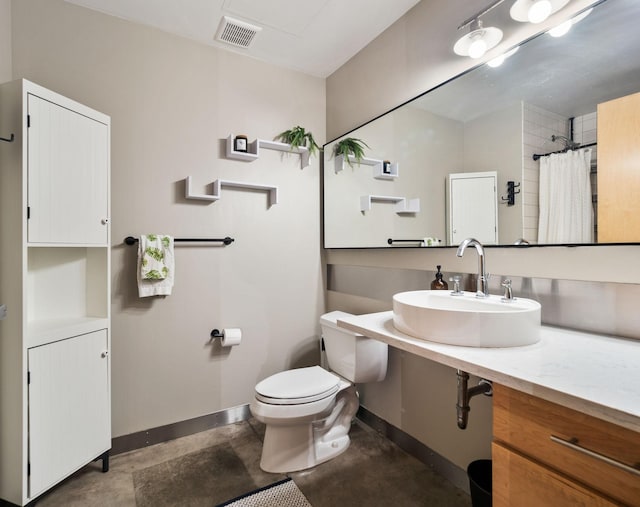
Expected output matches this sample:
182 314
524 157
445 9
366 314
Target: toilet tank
352 356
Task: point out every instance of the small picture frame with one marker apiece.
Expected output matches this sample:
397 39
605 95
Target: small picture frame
240 143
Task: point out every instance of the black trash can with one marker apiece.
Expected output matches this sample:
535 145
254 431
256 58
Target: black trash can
479 473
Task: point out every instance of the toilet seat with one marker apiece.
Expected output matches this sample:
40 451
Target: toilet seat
297 386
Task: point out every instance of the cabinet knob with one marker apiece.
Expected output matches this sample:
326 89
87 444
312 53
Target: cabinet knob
105 353
106 221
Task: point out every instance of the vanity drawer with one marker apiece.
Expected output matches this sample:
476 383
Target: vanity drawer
522 482
580 446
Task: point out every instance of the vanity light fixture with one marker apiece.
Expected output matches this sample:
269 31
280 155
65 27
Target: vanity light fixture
563 28
535 11
499 60
478 41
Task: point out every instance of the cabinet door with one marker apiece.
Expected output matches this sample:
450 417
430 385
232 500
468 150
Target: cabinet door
69 407
68 172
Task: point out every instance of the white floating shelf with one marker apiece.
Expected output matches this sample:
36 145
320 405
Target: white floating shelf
219 184
253 150
402 204
378 166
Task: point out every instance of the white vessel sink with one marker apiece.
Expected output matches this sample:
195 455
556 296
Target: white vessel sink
436 315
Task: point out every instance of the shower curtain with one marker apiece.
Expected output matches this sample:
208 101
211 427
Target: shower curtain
566 210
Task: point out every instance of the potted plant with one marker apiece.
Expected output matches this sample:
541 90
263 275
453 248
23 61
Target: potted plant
350 146
298 137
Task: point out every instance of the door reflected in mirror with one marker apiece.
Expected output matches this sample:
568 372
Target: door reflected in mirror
575 93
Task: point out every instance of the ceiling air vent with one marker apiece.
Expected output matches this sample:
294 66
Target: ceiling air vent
237 33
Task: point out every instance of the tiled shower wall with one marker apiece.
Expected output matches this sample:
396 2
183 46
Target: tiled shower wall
538 126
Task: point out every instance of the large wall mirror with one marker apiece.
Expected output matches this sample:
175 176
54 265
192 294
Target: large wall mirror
458 161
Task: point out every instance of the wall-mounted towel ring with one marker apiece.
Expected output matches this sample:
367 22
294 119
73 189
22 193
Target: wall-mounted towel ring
10 140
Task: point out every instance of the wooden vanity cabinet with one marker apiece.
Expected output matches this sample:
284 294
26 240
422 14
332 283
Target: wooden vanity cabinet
547 454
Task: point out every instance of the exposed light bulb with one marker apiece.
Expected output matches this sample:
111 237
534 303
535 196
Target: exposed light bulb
477 48
561 29
539 11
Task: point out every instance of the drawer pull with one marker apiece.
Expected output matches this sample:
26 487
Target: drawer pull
573 444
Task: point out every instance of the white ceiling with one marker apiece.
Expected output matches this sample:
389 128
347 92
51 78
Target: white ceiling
312 36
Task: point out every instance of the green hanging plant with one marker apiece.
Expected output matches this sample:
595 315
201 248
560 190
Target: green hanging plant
350 146
298 137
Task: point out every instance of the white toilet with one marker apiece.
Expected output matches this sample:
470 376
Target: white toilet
308 411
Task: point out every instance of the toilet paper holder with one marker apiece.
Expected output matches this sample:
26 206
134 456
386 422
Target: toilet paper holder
229 337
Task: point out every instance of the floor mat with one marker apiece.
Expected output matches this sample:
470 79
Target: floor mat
281 494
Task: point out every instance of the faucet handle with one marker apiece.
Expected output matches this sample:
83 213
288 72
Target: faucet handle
508 293
456 285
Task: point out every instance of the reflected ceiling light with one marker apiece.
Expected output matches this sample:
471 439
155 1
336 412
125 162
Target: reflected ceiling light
535 11
563 28
499 60
478 41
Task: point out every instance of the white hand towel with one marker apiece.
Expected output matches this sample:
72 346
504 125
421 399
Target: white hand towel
156 266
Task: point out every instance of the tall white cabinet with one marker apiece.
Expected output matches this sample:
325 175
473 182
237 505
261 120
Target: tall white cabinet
55 341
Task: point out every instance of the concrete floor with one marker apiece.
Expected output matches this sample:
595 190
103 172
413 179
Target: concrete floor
217 465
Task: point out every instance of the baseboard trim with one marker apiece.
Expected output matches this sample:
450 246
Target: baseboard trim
179 429
440 464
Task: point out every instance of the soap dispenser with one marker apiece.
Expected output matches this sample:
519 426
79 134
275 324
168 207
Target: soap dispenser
439 283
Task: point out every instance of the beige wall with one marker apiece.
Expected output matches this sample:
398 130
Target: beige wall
418 395
432 142
172 101
493 142
5 41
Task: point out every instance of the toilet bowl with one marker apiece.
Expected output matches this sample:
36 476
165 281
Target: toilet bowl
308 411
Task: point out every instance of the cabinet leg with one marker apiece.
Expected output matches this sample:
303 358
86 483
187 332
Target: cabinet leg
105 461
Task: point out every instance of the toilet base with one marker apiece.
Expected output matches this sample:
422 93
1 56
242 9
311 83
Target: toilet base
289 448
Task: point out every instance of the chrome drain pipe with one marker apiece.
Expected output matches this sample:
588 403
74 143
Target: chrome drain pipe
465 394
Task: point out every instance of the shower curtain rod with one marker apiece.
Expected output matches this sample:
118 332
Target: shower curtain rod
536 156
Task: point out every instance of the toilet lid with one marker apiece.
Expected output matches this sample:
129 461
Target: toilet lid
301 385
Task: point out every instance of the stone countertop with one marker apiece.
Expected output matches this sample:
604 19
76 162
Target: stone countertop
594 374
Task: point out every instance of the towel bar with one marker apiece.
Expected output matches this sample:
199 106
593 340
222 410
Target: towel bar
391 241
130 240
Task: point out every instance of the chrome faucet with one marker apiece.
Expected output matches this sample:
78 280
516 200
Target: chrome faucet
482 284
